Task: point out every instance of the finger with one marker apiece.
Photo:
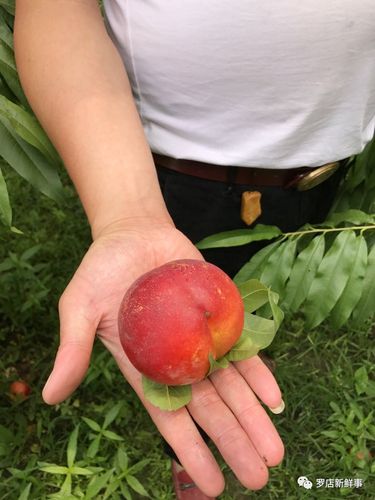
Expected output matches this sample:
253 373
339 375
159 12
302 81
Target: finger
210 412
261 381
77 333
239 397
179 430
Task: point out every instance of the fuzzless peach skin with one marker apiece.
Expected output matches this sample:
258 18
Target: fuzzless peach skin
174 316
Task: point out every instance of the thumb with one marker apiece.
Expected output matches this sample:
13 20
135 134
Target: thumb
78 326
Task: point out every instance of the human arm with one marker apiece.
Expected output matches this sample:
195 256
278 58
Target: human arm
76 83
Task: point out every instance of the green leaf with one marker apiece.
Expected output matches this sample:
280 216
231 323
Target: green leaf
277 312
254 294
366 305
257 334
239 237
27 127
136 485
122 459
125 491
94 446
54 469
112 435
353 289
30 164
354 216
255 266
8 5
331 278
5 207
303 273
279 265
139 466
72 447
80 471
5 33
92 424
25 492
166 397
9 73
112 415
358 172
96 484
361 380
216 364
30 252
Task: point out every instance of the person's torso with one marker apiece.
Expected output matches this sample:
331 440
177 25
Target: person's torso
278 83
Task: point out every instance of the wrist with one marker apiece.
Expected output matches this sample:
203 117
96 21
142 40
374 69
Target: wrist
128 222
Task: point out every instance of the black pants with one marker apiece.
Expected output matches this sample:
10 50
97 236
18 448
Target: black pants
201 207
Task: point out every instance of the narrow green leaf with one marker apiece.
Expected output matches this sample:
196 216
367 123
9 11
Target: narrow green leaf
25 492
358 171
30 252
112 415
166 397
361 380
8 5
139 466
255 266
54 469
92 424
279 266
94 446
27 127
96 484
331 278
5 207
30 164
72 447
136 485
217 364
125 491
254 294
354 216
112 435
80 471
66 488
303 273
122 459
239 237
277 312
6 34
366 305
353 289
9 73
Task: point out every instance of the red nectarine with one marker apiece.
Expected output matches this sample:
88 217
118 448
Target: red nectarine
20 389
173 317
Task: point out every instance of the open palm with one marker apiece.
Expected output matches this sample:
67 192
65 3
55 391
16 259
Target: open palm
225 405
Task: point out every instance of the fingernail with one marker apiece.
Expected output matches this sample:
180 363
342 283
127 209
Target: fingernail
278 409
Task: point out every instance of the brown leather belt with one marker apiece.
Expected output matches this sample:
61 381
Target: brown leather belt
302 178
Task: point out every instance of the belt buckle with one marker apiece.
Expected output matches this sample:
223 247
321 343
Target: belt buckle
316 176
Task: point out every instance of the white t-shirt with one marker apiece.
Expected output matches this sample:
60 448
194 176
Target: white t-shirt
272 83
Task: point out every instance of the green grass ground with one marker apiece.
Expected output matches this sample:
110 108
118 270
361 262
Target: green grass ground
325 375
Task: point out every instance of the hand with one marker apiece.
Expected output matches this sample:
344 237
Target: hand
224 405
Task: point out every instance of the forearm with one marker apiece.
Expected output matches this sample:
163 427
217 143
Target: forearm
76 83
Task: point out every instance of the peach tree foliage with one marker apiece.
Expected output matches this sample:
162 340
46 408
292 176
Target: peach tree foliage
325 271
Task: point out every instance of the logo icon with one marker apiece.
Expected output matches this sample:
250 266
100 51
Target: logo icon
304 482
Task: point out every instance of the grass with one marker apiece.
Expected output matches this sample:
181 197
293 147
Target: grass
111 443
